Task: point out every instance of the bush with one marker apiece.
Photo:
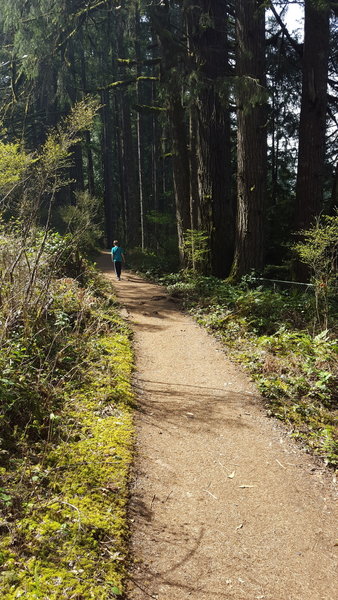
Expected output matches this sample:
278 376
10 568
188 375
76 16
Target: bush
41 314
319 251
151 263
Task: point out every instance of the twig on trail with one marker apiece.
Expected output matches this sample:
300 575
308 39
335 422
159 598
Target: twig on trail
153 500
207 491
167 498
280 464
223 467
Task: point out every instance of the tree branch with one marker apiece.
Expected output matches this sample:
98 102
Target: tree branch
284 28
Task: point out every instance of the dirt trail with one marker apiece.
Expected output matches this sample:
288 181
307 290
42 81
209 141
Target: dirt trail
224 504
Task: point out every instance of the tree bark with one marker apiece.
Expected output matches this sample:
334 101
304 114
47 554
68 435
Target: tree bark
312 126
128 168
154 163
76 169
173 55
87 147
251 138
107 165
180 168
90 164
195 216
209 47
139 128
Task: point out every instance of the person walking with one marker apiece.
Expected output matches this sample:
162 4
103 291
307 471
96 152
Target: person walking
117 256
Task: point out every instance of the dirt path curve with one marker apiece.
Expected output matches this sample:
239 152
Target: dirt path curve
224 505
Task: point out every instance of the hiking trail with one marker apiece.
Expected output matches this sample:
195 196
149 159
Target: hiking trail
224 505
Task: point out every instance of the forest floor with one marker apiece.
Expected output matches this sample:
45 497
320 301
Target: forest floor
223 503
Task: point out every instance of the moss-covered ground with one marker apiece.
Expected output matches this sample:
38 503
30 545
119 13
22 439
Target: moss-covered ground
63 527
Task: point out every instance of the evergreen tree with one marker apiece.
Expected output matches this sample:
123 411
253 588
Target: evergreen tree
251 137
208 44
312 127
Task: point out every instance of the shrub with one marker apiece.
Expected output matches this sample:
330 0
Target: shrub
319 251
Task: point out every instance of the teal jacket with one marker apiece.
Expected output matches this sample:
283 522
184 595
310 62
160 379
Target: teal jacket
117 253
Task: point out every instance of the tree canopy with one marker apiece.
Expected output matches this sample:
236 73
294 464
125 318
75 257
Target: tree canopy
216 118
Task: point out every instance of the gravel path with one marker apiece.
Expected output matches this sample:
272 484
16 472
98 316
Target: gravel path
224 505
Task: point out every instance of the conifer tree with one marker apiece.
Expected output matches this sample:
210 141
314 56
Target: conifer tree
251 137
208 43
312 127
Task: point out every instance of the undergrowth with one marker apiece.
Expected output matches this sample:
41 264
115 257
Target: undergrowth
272 333
65 370
153 263
66 444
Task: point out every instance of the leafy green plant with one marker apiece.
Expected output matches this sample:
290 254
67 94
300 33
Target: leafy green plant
195 248
152 263
319 251
83 222
14 162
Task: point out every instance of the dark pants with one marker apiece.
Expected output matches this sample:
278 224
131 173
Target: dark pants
118 267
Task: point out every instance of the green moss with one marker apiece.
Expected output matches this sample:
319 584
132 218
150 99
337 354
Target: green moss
147 78
70 540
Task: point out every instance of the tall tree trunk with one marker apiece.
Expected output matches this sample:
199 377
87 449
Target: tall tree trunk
140 173
195 216
209 46
122 187
172 55
155 144
164 170
107 165
312 126
129 162
87 146
274 150
128 168
180 168
90 164
109 201
251 137
76 168
139 126
154 162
